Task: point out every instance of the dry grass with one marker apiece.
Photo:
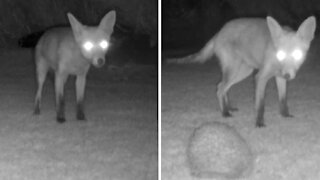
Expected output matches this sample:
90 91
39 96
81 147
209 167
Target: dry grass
287 149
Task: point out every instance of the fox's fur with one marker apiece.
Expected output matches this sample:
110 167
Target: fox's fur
246 44
71 51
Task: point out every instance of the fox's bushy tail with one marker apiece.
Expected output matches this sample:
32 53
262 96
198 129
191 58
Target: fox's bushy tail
200 57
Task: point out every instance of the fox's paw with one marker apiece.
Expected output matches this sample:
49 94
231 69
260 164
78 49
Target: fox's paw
260 124
226 114
286 115
36 111
233 109
61 119
81 116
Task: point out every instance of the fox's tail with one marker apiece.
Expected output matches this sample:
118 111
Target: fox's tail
200 57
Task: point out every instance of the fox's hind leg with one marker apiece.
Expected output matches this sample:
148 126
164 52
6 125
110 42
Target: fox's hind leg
231 74
41 73
60 79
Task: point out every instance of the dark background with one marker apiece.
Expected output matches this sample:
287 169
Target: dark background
188 24
22 22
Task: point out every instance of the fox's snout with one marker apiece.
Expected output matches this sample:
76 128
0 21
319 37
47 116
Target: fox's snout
99 62
289 75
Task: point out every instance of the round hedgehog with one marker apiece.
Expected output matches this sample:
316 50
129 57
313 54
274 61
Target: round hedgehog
217 150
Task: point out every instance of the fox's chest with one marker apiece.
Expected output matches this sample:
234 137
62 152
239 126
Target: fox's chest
74 66
72 62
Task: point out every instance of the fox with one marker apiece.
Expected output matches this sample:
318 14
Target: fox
260 45
71 51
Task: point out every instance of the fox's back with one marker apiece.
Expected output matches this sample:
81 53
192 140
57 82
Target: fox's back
249 38
55 43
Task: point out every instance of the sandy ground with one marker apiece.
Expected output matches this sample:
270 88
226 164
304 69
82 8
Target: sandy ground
287 149
117 142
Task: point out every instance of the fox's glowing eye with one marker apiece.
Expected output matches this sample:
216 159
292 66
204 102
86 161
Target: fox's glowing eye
104 44
297 54
281 55
88 45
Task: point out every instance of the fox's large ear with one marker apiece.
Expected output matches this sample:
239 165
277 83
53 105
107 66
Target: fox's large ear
274 28
75 24
307 28
108 21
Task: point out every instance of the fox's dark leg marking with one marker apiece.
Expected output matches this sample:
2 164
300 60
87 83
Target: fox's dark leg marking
37 108
262 79
80 89
228 104
284 111
282 93
60 79
225 109
221 94
260 113
80 111
61 109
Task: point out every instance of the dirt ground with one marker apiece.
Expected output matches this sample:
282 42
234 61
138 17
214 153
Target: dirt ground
118 141
286 149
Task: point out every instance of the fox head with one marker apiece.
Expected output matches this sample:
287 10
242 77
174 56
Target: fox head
94 41
291 47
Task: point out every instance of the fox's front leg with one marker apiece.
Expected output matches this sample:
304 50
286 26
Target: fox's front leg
261 82
80 88
282 92
60 79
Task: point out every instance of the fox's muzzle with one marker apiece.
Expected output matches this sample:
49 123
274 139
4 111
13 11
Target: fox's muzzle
99 62
289 75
